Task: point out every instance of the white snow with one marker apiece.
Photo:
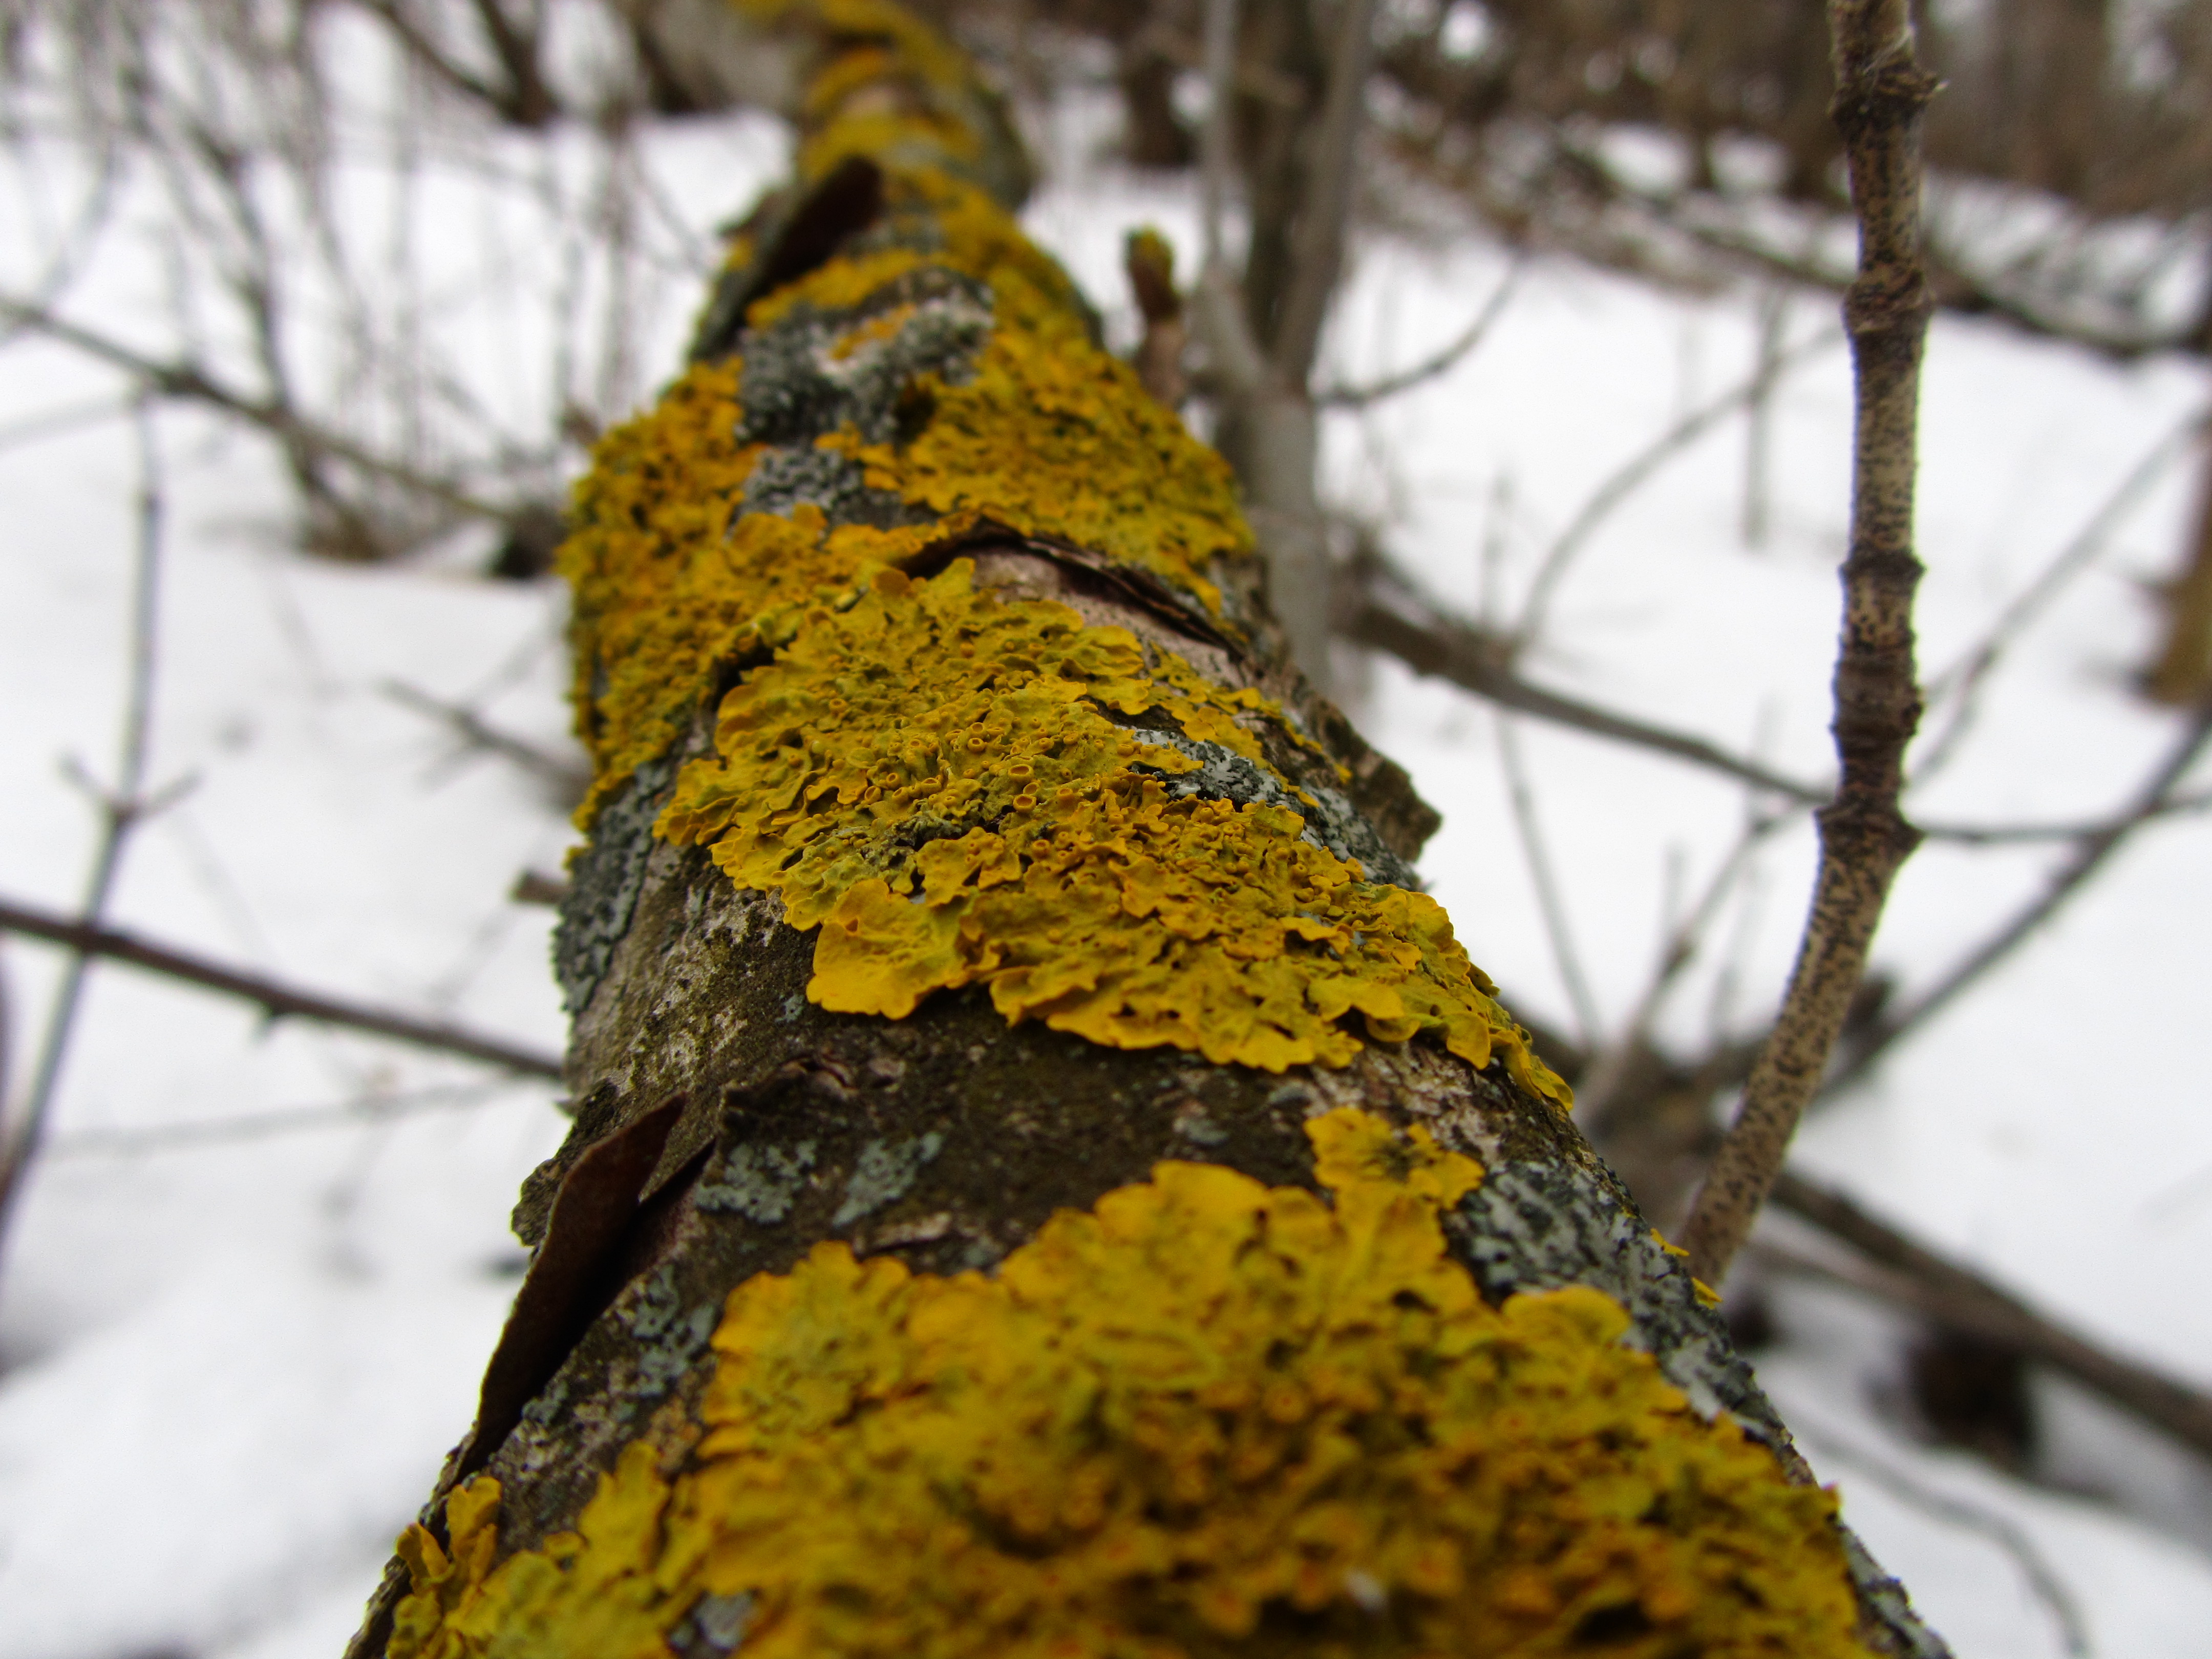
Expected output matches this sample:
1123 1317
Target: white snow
227 1372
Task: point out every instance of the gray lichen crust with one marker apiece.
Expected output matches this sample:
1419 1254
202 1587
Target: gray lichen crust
760 1184
605 882
1332 821
804 376
1541 1225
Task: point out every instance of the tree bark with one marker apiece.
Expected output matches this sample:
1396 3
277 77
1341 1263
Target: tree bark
1044 1178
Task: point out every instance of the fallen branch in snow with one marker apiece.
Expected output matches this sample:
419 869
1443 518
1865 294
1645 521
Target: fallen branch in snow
277 1000
1884 1262
1957 289
1911 1275
1386 612
1881 92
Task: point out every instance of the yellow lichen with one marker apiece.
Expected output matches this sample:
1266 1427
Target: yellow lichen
1206 1418
670 577
931 777
937 780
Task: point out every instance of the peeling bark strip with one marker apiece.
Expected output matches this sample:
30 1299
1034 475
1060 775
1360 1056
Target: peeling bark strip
1106 1213
1881 92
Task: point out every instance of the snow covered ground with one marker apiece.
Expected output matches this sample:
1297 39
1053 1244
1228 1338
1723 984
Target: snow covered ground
229 1367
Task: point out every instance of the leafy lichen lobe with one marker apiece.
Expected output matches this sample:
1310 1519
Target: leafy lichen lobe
1206 1418
950 785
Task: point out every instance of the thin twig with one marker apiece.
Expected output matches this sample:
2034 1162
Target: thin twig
1917 1277
1388 612
1549 899
258 1125
2042 1580
2170 806
568 778
1960 685
2155 798
275 999
1881 91
1596 1089
1961 290
122 806
1442 363
1267 429
1631 474
191 383
1758 411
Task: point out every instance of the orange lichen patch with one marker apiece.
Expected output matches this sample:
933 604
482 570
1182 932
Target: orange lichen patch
934 777
1207 1419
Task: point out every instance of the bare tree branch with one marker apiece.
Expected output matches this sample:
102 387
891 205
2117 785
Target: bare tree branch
1955 287
1387 612
276 999
1758 412
122 805
525 100
1958 686
1919 1277
191 383
567 779
2155 798
1215 160
258 1125
1535 849
1441 362
1325 213
2042 1580
1881 93
1596 1088
1633 473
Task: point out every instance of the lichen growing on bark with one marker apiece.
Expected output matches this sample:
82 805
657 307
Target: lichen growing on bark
1207 1417
938 780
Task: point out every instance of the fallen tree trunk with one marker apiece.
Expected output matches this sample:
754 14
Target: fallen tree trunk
1045 1180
